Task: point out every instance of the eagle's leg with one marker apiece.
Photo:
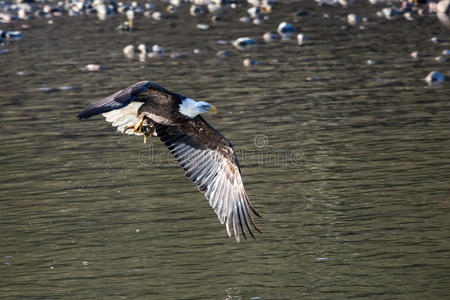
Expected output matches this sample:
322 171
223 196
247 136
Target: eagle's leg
137 127
148 132
148 128
145 126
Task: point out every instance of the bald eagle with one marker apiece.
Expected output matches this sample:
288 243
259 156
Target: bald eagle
206 156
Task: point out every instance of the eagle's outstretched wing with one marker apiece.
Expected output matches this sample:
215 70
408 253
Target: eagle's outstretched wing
124 108
210 162
116 101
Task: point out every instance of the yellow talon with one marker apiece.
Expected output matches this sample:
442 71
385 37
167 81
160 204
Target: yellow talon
138 126
149 129
149 132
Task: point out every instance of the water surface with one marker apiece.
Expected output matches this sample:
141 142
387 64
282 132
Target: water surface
350 171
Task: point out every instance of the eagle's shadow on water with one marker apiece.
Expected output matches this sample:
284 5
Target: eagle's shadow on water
260 155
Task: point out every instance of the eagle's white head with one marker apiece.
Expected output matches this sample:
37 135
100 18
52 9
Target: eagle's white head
191 108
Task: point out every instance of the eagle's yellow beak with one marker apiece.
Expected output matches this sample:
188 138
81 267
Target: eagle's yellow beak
213 109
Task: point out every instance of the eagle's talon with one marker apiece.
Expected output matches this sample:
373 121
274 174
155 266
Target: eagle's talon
138 126
148 132
143 127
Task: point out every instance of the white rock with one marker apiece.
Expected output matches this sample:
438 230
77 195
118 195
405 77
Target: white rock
243 43
434 78
286 30
248 62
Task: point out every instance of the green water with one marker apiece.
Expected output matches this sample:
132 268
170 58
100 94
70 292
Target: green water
350 171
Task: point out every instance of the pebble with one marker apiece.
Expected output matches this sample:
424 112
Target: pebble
434 78
129 51
286 30
254 12
216 18
389 13
158 49
436 40
157 16
171 9
243 43
143 49
203 26
302 13
353 19
45 89
301 38
14 35
270 37
214 8
124 27
408 16
223 54
94 67
198 51
257 21
321 258
245 20
149 5
416 55
155 55
176 55
196 10
249 62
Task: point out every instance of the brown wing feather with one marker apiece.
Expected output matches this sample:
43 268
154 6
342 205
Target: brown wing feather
143 91
210 162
